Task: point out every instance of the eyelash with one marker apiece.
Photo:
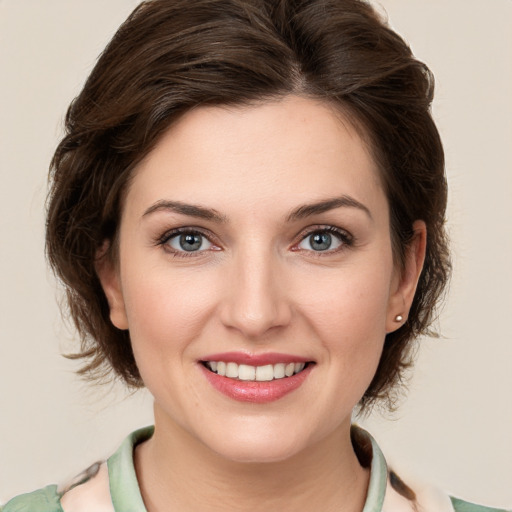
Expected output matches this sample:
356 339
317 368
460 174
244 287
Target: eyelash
346 239
168 235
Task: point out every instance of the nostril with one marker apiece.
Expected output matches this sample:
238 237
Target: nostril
254 320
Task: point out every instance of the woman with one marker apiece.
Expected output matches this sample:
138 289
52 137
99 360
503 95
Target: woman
247 211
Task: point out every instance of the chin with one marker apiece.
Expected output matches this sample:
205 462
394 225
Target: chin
258 443
258 451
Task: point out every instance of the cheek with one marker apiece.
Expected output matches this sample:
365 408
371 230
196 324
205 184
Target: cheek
350 301
166 310
348 315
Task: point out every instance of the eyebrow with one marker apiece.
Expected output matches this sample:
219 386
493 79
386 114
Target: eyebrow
344 201
303 211
190 210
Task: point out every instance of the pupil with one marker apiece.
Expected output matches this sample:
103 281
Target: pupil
321 241
190 242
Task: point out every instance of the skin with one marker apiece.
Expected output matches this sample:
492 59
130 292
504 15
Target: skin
257 285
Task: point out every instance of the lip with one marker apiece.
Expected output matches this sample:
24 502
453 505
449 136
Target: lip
256 359
253 391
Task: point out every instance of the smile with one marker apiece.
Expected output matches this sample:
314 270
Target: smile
256 378
245 372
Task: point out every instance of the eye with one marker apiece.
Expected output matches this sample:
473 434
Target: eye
188 241
323 240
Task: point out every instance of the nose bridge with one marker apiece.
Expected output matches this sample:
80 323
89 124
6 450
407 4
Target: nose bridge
255 299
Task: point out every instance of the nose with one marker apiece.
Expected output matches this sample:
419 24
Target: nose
255 300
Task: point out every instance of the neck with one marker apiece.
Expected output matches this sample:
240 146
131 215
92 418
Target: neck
176 471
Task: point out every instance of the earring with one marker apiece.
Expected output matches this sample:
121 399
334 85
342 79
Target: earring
398 318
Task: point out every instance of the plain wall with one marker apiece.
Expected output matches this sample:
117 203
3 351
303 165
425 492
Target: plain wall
455 427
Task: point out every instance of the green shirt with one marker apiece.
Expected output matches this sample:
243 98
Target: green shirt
126 496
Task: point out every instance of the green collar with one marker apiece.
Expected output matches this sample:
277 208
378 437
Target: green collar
124 488
125 492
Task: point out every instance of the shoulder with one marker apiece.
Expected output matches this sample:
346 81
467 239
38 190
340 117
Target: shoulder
464 506
91 490
43 500
405 493
91 493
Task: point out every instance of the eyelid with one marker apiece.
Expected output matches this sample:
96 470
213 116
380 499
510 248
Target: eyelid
346 238
171 233
175 242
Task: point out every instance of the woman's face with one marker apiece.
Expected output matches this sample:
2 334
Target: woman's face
253 238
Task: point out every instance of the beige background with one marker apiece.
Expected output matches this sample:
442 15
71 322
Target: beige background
455 428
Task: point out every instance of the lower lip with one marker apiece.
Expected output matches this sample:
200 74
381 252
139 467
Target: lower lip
253 391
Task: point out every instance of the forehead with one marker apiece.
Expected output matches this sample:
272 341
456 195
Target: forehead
273 153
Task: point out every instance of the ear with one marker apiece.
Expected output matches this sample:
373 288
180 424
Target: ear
406 279
108 274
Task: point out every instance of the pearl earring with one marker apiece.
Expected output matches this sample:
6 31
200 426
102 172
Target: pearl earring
398 318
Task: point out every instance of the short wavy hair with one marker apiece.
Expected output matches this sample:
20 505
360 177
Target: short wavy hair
171 56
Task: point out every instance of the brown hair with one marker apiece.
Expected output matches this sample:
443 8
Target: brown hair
172 56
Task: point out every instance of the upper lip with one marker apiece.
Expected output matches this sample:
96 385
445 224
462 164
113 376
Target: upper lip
256 359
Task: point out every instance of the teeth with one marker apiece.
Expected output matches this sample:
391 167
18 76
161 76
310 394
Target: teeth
289 369
246 372
264 373
221 368
299 367
279 371
232 370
